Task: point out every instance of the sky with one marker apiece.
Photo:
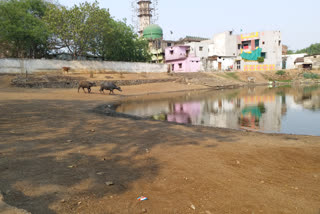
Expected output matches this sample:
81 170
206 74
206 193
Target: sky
297 20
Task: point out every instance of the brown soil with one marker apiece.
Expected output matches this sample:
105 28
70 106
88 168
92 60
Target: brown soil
56 155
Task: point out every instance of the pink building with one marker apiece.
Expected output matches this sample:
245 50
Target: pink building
180 60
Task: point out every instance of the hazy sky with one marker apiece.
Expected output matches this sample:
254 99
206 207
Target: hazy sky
297 20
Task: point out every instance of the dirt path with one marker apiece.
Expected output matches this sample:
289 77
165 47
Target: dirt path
56 156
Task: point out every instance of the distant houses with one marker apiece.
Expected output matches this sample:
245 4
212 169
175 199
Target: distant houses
226 51
256 51
301 61
180 59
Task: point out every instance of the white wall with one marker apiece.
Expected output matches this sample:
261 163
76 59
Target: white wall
195 48
213 65
315 60
272 47
290 60
224 44
40 65
269 42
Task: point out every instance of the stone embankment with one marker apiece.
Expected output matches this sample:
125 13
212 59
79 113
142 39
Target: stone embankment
72 82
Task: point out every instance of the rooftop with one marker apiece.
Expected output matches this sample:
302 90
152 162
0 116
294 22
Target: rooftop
153 32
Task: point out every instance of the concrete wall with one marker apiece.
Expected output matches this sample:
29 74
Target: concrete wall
40 65
219 45
200 49
224 44
176 52
290 60
315 60
273 47
193 64
271 44
227 63
190 64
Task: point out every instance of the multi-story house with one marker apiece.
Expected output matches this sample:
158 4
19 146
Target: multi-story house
180 59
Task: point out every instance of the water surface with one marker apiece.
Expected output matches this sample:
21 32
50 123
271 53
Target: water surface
285 109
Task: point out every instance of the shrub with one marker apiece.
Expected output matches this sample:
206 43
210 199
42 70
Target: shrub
281 72
260 59
310 76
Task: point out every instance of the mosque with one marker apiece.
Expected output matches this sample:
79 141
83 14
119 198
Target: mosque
152 32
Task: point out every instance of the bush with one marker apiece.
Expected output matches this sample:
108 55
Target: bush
281 73
260 59
311 76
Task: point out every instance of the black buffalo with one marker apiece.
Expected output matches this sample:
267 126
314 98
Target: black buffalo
87 85
109 86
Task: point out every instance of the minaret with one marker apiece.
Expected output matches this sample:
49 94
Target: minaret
144 15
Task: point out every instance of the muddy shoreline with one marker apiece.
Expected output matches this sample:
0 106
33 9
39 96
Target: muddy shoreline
57 154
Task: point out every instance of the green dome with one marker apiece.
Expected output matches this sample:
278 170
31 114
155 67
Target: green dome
153 32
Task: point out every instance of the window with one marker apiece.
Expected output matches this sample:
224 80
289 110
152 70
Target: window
200 48
257 42
180 65
263 43
171 52
168 44
279 42
239 46
187 52
264 55
246 45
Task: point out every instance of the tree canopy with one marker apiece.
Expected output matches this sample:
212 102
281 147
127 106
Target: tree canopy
37 28
22 30
312 49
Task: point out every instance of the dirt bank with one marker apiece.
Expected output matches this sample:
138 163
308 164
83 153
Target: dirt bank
56 156
214 80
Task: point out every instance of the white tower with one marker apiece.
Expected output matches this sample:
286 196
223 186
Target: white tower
144 14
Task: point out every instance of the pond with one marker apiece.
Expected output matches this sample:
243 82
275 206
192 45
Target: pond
284 109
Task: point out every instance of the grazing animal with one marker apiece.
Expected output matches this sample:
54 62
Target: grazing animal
87 85
66 69
109 86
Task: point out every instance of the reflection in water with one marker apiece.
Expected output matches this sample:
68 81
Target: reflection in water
277 110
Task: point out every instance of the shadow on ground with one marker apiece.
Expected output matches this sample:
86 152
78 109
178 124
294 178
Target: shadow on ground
54 150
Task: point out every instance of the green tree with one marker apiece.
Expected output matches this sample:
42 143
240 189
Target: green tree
290 52
121 43
312 49
23 32
76 28
87 30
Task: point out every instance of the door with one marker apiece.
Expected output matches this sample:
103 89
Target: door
219 66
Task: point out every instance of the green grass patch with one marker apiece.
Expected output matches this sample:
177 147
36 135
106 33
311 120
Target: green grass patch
233 75
280 73
308 75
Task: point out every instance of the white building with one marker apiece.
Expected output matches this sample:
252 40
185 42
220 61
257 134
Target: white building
288 60
227 51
